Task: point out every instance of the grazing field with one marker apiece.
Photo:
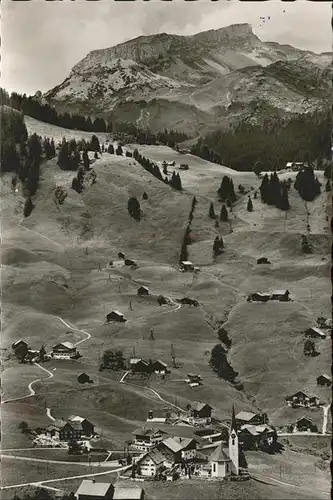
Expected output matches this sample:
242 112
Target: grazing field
58 285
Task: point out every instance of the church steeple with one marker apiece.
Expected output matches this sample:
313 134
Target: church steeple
233 443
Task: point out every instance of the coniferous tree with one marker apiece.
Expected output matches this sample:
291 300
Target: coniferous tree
111 149
328 186
224 214
306 245
183 253
94 144
28 207
211 211
86 161
145 196
133 207
218 246
249 205
307 184
119 150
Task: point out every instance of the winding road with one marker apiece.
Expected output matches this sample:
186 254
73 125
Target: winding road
32 392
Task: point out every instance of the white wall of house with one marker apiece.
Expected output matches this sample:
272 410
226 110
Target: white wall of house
188 454
147 467
63 355
221 469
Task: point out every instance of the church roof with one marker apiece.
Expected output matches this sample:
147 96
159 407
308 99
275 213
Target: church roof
219 455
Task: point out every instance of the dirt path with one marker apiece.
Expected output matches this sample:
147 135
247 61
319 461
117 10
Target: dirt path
72 327
110 463
325 417
32 392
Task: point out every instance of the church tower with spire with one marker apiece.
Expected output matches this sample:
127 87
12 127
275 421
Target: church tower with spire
233 443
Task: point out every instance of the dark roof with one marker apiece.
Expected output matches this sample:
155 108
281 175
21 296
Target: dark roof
57 424
147 432
198 406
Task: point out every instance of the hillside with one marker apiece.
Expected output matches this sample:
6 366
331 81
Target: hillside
58 285
195 83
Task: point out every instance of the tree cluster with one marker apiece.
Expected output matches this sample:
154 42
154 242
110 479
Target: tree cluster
219 363
69 157
274 192
130 133
307 185
187 240
113 360
226 190
148 165
304 137
306 244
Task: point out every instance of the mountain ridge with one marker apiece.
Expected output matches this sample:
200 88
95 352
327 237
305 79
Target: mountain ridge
140 74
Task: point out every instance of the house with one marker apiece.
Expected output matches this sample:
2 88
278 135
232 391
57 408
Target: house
304 424
83 378
281 295
258 297
139 365
189 302
181 448
254 437
315 333
128 493
324 380
143 290
221 464
194 379
65 350
299 399
145 439
121 255
129 262
159 416
183 166
87 428
160 367
200 413
115 316
20 344
314 401
89 489
263 260
247 417
152 462
186 265
63 431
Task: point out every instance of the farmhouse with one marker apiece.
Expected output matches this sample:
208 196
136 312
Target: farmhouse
304 424
154 461
194 379
139 365
200 413
186 265
300 399
145 439
160 367
65 350
128 493
130 262
189 302
181 448
281 295
19 344
83 378
247 417
254 437
63 431
324 380
82 424
115 316
315 333
259 297
89 489
143 290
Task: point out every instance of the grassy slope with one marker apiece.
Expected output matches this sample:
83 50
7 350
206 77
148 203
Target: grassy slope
36 269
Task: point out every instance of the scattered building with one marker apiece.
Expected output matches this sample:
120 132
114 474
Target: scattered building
304 424
143 290
130 262
181 448
281 295
189 302
139 365
194 378
301 400
263 260
65 350
324 379
88 429
19 344
115 316
121 255
152 462
249 418
89 489
158 416
159 367
315 333
145 439
254 437
186 265
183 166
200 413
258 297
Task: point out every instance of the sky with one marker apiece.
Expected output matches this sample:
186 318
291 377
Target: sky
41 41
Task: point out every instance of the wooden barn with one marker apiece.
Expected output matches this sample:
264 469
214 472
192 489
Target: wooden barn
324 379
143 290
115 316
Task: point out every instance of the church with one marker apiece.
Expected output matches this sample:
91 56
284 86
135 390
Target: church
225 462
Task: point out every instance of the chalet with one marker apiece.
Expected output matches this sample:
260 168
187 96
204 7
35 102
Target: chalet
259 297
63 431
143 290
83 378
121 255
20 344
200 413
65 350
123 493
221 464
115 316
160 367
281 295
145 439
89 489
315 333
249 418
181 448
300 399
130 262
324 380
263 260
304 424
153 461
186 265
138 365
254 437
194 379
87 428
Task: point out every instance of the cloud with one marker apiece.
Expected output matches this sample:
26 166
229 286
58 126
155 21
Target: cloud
42 41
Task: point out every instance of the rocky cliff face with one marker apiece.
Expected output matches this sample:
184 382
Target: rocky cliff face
194 82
